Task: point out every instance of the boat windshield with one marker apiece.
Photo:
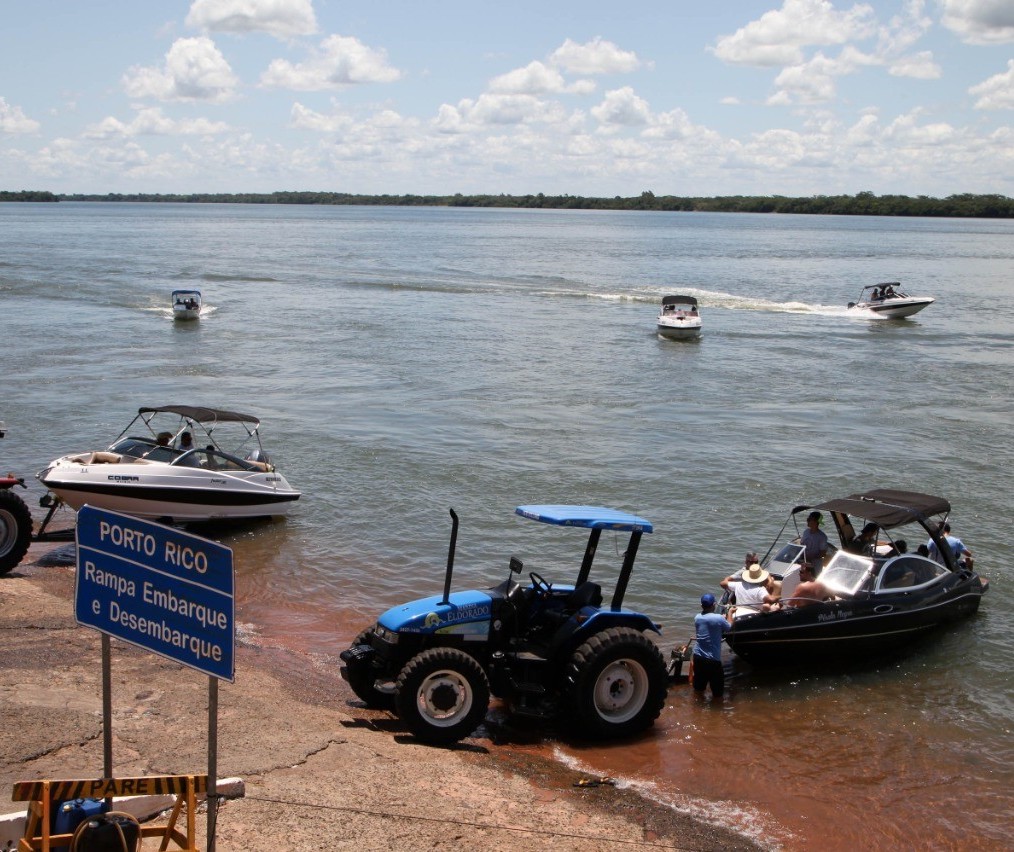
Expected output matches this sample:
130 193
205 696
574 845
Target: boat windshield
907 572
212 459
846 572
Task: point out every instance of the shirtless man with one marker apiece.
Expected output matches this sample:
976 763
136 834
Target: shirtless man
810 590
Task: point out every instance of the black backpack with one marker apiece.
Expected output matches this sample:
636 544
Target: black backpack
114 831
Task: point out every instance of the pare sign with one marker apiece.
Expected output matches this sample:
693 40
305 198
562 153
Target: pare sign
157 587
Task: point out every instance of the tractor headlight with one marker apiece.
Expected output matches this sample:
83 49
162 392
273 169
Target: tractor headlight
385 635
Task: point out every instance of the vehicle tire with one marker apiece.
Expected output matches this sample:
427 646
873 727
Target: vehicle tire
361 676
618 683
15 530
442 695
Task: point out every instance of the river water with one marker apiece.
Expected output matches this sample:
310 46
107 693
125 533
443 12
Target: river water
405 361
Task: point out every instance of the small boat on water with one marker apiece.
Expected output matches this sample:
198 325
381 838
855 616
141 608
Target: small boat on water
679 318
186 304
184 463
888 301
871 598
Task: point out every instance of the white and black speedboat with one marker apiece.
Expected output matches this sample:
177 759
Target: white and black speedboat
877 599
176 462
186 304
679 318
888 301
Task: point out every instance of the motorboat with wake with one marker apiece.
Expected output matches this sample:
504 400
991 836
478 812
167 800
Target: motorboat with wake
876 593
177 462
186 304
888 301
679 318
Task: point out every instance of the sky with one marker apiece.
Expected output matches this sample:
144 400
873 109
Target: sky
579 97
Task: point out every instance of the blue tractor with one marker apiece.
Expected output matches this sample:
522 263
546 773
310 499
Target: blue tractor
550 651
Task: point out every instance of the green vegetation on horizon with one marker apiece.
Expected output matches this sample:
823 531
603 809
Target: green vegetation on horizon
862 204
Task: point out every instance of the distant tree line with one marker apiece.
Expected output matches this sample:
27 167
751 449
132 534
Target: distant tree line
862 204
28 195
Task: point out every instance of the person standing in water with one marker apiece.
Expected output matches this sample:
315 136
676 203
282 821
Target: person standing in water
709 628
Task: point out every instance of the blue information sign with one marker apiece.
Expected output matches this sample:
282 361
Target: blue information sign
157 587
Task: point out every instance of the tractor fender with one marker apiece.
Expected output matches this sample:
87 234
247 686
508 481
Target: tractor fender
605 618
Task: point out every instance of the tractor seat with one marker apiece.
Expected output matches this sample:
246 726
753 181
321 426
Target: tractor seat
587 594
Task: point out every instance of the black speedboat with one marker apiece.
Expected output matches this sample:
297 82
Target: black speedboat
878 599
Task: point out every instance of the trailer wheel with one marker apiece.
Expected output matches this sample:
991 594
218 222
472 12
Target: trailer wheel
442 695
361 676
618 683
15 530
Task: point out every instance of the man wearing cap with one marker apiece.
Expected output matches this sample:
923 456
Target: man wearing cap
709 628
814 541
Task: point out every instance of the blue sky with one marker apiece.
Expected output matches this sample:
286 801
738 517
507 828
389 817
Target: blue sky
728 97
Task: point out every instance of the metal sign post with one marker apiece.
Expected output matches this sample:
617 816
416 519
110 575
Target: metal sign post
166 591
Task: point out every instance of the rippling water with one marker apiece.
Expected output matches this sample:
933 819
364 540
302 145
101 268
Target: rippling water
405 361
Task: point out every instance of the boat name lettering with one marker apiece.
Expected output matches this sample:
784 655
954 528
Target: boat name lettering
127 538
272 479
117 478
109 580
834 616
166 633
181 606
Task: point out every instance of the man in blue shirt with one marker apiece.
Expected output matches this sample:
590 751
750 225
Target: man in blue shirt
709 627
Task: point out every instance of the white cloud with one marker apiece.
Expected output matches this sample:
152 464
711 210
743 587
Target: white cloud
622 107
152 122
281 18
997 92
594 57
496 109
537 78
340 61
194 70
920 66
778 37
980 21
14 120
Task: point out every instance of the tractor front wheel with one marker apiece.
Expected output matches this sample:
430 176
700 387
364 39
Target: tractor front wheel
618 683
442 695
15 530
361 675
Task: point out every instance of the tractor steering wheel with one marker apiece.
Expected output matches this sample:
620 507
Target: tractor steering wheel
541 586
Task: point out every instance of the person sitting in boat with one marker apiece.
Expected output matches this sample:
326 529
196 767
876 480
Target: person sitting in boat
865 543
875 295
887 292
809 591
163 438
186 442
750 589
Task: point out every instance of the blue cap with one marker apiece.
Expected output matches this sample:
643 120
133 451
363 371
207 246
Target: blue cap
707 599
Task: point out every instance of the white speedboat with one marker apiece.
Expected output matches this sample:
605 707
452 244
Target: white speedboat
186 304
177 462
679 318
887 300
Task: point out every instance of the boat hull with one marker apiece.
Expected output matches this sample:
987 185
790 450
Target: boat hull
196 495
679 331
184 314
897 308
851 629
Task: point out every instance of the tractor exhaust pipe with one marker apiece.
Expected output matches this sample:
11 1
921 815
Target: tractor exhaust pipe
450 558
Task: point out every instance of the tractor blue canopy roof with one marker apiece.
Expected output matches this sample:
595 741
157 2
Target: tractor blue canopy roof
590 517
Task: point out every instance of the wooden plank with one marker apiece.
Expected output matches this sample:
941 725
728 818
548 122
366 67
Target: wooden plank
101 788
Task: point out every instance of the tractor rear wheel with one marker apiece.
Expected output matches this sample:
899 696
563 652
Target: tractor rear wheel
15 530
442 695
618 683
361 676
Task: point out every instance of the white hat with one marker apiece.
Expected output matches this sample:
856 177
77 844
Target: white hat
755 574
